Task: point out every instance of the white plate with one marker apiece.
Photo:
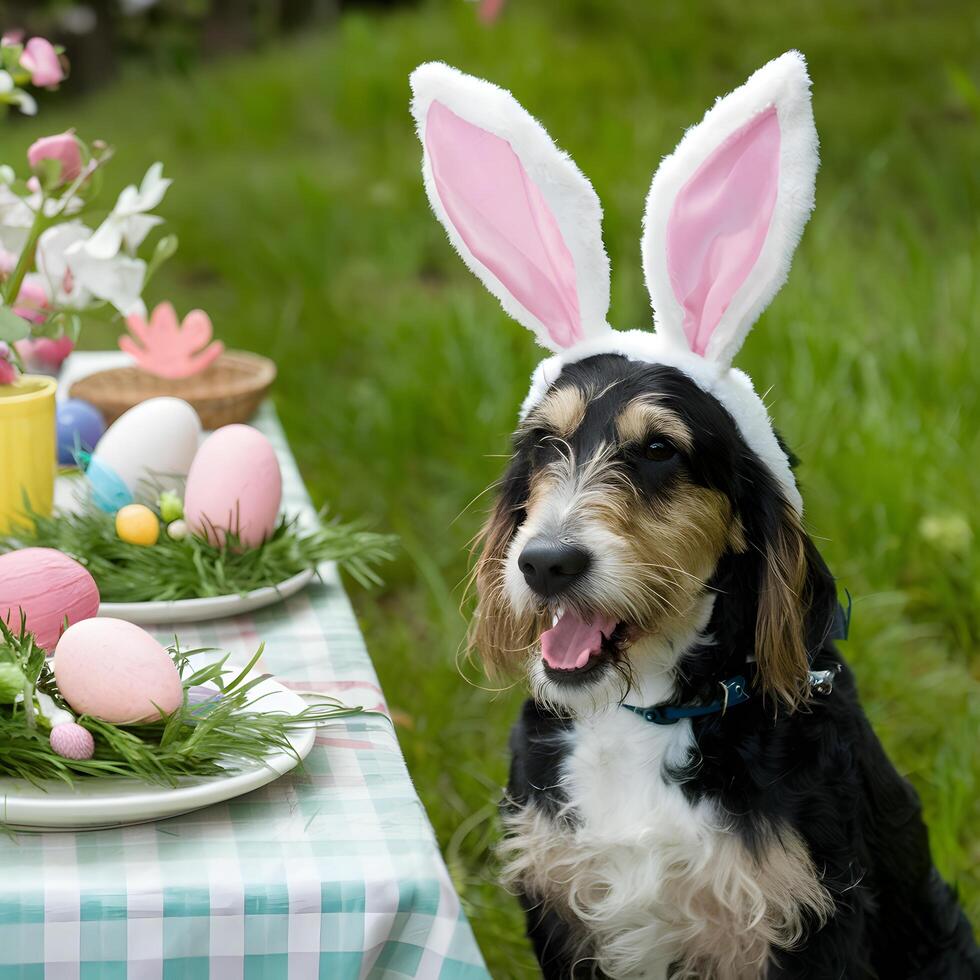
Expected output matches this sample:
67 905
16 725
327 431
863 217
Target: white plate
96 802
213 607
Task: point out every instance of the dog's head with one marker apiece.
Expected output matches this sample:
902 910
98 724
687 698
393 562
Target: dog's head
646 470
628 490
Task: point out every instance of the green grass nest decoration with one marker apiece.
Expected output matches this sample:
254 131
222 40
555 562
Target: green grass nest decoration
222 734
193 567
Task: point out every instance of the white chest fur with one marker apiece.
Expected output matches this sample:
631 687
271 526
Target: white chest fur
647 878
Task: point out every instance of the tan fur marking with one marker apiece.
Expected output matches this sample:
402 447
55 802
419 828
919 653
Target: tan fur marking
780 645
561 412
643 417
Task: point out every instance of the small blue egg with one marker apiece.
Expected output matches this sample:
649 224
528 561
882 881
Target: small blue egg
80 426
109 492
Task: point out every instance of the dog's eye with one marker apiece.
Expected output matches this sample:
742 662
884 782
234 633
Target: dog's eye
659 451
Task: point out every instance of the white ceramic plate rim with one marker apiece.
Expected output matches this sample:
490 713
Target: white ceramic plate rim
95 803
209 607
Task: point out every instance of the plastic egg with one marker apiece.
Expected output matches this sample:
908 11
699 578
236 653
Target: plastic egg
234 485
80 426
158 436
177 530
48 586
137 524
116 672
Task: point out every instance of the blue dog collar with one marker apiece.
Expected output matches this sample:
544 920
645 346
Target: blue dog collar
735 690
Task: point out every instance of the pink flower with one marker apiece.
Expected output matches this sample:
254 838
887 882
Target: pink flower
7 373
42 61
51 353
31 302
14 36
489 10
62 147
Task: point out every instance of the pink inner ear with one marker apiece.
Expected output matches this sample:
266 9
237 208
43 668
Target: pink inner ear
504 220
719 223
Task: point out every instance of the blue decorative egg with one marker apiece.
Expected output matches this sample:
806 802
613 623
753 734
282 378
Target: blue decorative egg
80 426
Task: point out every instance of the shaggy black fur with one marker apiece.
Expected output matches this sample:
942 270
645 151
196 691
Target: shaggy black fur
820 770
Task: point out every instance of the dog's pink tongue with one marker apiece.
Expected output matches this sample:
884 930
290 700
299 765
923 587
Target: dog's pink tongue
571 641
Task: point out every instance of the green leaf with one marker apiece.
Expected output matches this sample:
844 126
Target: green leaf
12 327
165 248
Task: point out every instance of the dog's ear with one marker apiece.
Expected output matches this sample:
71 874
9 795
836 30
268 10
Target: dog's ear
495 634
797 602
517 209
726 210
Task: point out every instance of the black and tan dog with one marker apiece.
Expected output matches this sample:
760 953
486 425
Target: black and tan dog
695 790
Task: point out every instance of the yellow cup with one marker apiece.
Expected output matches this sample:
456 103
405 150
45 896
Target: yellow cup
27 447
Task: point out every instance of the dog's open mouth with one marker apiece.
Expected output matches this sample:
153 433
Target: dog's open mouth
574 644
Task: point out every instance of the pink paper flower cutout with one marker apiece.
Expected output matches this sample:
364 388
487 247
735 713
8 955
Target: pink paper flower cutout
171 349
42 61
62 147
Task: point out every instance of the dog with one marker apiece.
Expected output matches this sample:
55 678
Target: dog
695 790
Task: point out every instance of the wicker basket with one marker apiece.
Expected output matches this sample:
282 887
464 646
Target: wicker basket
229 390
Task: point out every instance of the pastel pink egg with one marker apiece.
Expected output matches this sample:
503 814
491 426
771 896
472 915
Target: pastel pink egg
116 672
48 586
234 485
71 741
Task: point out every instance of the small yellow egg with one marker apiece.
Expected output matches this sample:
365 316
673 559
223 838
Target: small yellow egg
137 524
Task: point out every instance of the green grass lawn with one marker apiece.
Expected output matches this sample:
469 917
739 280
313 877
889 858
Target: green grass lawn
305 233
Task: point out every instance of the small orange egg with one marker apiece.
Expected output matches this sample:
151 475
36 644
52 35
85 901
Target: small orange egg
137 524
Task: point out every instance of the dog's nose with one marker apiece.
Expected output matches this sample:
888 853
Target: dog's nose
551 566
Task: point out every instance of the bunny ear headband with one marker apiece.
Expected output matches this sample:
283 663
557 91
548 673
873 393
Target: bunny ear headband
723 217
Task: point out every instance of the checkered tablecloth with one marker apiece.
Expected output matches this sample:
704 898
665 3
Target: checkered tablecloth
331 872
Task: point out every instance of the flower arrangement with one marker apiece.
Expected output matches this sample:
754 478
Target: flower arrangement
213 730
57 265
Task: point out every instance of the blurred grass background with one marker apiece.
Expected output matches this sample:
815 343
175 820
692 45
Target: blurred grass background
305 233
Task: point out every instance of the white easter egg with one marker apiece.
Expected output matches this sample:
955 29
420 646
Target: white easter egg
116 672
234 485
157 437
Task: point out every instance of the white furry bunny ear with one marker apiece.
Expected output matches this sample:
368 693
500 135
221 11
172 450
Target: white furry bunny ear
726 210
518 210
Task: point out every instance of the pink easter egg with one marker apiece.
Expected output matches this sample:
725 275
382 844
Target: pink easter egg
116 672
48 586
71 741
234 485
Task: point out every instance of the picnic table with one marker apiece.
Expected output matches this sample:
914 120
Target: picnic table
332 871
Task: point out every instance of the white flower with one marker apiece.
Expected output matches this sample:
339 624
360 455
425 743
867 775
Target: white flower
118 280
128 223
7 175
6 82
74 277
24 101
52 263
16 218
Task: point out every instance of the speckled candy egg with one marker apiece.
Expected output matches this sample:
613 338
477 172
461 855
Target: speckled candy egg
48 586
158 436
234 485
115 671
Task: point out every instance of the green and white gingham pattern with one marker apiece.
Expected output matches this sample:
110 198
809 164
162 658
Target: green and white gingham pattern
331 872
